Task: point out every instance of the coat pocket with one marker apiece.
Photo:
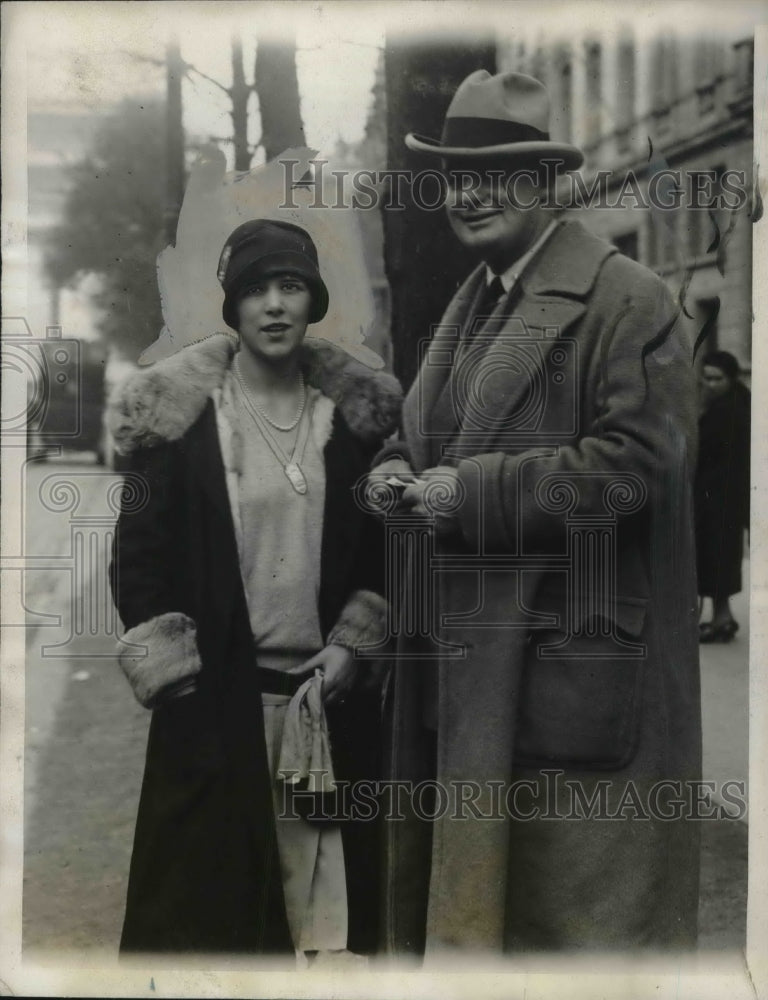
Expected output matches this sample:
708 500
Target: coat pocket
583 708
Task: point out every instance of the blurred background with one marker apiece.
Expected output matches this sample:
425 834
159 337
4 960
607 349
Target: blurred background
121 104
121 99
119 108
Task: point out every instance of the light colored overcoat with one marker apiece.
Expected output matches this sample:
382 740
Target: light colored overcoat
571 417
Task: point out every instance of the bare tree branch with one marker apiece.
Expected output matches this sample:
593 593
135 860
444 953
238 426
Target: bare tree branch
139 57
189 68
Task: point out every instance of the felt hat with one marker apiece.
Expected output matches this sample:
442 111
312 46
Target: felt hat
502 116
263 247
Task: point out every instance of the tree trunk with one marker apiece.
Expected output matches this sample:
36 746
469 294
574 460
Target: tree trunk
424 261
277 88
239 95
174 145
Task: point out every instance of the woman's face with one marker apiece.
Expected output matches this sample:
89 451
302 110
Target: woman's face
273 316
714 383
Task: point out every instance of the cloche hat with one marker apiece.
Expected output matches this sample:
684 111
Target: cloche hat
264 247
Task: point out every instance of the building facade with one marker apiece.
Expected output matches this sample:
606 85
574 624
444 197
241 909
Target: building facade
682 105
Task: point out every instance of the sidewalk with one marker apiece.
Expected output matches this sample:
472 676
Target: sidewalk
725 698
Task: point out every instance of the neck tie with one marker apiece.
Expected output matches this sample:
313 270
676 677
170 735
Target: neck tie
486 304
490 297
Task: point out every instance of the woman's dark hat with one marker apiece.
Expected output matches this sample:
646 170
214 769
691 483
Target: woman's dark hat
261 248
506 115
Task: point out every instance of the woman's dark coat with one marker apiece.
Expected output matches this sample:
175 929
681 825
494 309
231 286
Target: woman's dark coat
721 492
205 873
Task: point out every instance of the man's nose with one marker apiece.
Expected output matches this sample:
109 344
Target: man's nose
469 196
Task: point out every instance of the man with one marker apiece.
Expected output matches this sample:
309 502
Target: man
552 706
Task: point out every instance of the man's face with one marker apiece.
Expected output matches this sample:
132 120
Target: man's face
493 209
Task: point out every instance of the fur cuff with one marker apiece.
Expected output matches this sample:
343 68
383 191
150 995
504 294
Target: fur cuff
363 622
171 655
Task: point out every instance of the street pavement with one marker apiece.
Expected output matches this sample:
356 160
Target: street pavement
725 698
85 734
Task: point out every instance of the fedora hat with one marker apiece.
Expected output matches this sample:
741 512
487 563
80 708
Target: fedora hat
498 116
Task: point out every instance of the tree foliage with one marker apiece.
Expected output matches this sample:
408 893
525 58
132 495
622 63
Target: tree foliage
113 224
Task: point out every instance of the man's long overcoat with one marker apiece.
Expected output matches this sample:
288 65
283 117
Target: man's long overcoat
571 418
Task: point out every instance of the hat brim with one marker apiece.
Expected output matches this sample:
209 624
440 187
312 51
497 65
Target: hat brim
570 156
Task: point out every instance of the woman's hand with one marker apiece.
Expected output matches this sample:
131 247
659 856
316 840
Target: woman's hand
339 670
413 497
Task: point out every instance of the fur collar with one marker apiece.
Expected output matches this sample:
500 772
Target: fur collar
162 402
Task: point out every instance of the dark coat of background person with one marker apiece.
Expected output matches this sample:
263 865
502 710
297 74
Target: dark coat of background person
511 884
205 874
721 492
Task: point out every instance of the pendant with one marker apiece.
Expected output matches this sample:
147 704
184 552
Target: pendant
296 477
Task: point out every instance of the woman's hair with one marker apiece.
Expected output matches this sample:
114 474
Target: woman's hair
723 360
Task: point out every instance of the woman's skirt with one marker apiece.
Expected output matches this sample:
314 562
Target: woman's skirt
311 857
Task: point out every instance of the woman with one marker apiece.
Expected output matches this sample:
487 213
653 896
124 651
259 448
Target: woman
249 575
722 490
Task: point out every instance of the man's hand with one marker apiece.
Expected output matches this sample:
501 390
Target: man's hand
338 668
445 523
395 467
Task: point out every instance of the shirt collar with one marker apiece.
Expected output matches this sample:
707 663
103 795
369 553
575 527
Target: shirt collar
510 277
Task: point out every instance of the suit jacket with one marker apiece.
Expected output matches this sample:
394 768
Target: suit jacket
571 419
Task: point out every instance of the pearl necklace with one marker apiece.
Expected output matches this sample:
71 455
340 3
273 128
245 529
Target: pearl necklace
262 413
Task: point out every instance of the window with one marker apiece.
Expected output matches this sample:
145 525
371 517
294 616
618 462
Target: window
664 82
566 105
707 72
593 91
744 65
625 94
662 240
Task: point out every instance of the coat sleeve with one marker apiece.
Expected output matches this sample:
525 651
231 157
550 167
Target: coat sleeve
159 654
645 426
363 619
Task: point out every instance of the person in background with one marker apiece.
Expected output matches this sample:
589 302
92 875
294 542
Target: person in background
721 490
246 581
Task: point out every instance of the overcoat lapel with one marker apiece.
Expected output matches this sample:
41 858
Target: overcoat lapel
526 338
420 421
525 327
549 300
208 468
